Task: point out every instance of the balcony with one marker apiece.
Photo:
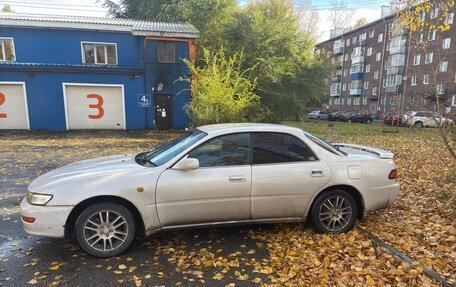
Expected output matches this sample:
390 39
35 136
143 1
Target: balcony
338 63
355 92
393 88
394 70
397 50
373 98
336 78
357 76
335 92
357 59
398 32
338 50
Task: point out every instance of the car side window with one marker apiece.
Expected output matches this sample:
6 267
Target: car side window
279 148
227 150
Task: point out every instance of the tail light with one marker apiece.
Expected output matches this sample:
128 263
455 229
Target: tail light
392 174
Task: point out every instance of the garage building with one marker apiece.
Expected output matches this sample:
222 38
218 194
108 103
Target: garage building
66 72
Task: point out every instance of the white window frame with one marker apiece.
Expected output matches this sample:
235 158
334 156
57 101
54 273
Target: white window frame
374 91
453 102
356 101
443 67
414 78
369 51
426 79
376 75
349 101
347 42
3 49
429 57
446 43
344 87
95 52
433 33
366 85
380 38
449 18
368 68
434 12
372 34
423 16
440 89
346 57
416 59
378 56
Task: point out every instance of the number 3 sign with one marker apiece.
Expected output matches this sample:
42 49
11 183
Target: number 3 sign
98 106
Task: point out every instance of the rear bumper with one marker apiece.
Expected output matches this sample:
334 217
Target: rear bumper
49 220
393 194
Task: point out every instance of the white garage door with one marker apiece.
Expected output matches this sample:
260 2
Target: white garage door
94 106
13 106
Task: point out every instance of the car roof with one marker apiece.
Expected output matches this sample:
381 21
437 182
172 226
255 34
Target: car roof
247 127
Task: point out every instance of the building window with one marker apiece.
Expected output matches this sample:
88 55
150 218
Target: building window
366 85
376 73
446 43
347 43
368 68
421 38
166 52
426 79
374 91
346 57
431 35
369 51
380 38
434 12
356 101
344 87
356 68
354 40
416 60
342 101
378 56
349 101
440 89
412 99
443 67
414 80
363 36
449 18
423 16
336 101
453 102
429 57
7 50
99 53
372 34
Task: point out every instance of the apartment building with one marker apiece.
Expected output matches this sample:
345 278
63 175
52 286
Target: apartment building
380 67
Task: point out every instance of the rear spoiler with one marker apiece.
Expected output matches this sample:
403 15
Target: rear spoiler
379 152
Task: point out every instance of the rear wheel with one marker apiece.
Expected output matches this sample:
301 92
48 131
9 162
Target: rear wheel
418 125
334 211
349 120
105 229
368 121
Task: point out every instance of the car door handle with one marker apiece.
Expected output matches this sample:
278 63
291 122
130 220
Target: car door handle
317 173
237 178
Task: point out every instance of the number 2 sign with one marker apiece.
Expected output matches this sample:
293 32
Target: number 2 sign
98 106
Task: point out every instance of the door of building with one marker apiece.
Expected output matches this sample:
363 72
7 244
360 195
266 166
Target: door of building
163 112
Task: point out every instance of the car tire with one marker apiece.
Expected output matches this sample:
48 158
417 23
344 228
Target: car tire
338 218
418 125
349 120
368 121
105 229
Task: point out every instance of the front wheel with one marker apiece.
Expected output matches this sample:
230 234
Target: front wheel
349 120
105 229
334 211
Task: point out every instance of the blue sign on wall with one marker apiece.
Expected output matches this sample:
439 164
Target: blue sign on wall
144 101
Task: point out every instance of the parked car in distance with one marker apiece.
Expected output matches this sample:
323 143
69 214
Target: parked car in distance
211 176
336 116
318 115
392 119
355 117
419 119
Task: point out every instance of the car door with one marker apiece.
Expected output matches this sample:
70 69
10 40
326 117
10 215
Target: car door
219 190
285 175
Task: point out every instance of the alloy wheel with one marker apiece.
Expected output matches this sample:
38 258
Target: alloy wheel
335 213
105 230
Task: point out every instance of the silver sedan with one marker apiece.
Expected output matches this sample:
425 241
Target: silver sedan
210 176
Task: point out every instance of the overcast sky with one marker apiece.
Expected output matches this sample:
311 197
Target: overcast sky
370 9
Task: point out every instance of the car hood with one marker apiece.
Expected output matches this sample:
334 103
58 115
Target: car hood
85 170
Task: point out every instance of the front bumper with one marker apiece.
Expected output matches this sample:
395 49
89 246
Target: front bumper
49 220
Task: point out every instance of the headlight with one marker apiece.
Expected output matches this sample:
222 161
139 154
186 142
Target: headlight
38 198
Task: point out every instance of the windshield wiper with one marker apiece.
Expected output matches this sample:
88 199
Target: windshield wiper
141 159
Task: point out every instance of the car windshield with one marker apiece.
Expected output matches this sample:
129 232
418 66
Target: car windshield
167 151
324 144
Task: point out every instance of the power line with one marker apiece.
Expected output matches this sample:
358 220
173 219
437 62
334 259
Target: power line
50 4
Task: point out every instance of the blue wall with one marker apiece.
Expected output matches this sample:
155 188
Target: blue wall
45 47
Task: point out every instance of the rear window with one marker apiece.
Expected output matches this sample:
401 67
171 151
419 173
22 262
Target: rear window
323 144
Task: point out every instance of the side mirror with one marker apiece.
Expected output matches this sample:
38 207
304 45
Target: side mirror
188 164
